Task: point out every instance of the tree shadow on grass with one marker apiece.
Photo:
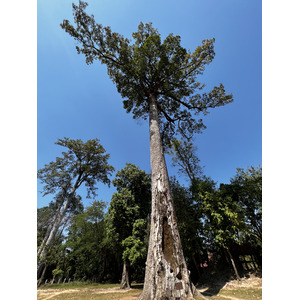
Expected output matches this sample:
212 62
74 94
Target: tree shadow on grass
137 286
213 289
215 284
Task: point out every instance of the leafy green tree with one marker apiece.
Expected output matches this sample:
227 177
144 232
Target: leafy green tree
224 220
127 216
138 182
135 247
81 163
158 79
86 243
247 191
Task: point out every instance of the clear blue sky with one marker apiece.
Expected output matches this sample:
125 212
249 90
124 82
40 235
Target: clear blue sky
80 102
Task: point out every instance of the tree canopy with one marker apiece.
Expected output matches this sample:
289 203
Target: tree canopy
82 163
147 65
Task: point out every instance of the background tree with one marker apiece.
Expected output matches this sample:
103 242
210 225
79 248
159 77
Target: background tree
82 163
246 188
135 249
224 220
184 156
44 216
127 215
158 80
86 243
47 218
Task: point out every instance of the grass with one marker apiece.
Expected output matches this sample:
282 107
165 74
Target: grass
87 295
78 285
87 291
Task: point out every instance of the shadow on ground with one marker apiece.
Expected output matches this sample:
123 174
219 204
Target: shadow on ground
137 286
213 283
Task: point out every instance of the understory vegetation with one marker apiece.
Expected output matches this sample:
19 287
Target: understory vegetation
219 225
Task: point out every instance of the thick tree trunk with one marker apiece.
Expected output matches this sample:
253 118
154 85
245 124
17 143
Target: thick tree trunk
125 283
167 276
233 265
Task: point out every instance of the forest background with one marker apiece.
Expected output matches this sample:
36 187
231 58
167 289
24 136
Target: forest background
26 122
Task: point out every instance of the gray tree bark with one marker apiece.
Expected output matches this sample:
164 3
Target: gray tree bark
57 222
42 276
53 221
166 276
125 283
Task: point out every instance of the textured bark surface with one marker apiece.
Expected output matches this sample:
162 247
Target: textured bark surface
125 283
45 246
49 239
167 276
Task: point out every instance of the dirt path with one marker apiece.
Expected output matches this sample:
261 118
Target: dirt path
50 293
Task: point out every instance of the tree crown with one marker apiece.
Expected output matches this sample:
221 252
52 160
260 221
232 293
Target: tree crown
149 66
82 162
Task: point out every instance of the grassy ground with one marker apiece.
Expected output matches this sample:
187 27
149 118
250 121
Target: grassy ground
87 295
78 285
245 290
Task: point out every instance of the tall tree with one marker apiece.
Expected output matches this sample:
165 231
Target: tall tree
82 163
158 80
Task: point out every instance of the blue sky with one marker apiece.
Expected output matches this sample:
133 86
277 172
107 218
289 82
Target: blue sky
79 101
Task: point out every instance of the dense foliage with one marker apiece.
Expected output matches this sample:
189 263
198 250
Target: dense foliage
211 219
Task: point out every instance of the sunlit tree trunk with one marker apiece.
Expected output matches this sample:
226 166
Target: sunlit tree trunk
49 228
167 276
42 276
233 264
125 283
57 223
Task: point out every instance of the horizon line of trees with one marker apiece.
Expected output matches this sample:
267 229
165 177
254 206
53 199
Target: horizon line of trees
108 242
